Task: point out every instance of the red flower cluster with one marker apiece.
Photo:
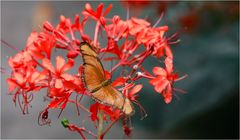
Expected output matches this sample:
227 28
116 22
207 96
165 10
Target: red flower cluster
33 69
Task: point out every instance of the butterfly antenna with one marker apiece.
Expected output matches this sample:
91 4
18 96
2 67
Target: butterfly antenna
60 113
111 70
76 103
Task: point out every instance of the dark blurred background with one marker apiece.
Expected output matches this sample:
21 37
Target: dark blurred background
208 53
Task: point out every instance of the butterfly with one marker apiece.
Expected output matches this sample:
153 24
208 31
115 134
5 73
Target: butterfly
94 80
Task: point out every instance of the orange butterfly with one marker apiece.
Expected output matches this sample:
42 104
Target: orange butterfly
94 80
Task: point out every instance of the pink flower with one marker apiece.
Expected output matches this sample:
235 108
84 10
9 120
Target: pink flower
59 71
164 80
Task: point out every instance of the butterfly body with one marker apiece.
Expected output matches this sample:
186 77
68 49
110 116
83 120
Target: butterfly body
94 80
103 84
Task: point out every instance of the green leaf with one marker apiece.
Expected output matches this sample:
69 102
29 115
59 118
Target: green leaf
65 122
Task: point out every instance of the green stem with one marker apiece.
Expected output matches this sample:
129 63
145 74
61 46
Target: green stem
100 124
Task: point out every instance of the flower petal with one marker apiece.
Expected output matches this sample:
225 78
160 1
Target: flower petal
48 65
89 11
67 77
135 89
68 65
161 86
94 111
32 37
99 10
60 62
118 82
57 92
169 65
107 10
140 21
12 84
19 77
169 53
159 71
58 83
55 103
154 81
34 76
168 94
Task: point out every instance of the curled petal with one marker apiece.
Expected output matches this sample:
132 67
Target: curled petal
136 89
72 54
48 26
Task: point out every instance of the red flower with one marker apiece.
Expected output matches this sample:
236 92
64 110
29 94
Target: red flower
59 72
21 60
30 80
40 44
136 25
22 82
130 42
164 81
98 13
60 98
117 29
109 111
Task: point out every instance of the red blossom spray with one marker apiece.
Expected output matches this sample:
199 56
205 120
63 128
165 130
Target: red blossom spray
32 68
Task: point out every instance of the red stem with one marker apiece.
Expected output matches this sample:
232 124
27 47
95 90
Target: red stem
81 106
109 127
73 127
96 33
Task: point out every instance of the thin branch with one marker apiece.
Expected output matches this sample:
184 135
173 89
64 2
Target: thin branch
81 106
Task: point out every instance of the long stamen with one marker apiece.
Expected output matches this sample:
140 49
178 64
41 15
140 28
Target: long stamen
160 18
180 78
128 13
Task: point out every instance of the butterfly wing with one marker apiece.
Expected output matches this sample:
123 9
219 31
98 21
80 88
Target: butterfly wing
127 107
93 76
109 95
93 72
